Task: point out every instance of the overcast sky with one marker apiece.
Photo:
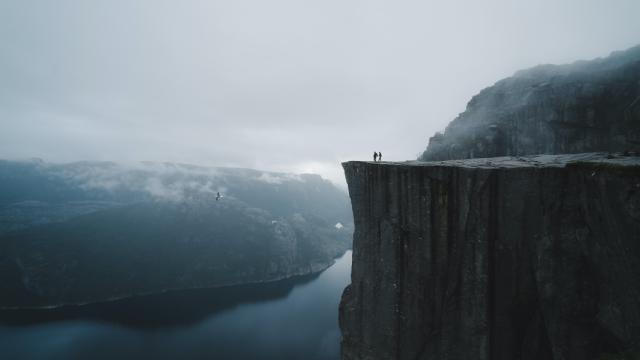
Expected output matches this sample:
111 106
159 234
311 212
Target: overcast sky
285 85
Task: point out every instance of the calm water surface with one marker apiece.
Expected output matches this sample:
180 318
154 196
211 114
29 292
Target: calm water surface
292 319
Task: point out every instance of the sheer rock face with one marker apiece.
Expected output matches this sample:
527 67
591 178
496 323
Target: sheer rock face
582 107
502 258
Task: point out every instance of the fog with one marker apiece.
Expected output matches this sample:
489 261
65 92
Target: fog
281 85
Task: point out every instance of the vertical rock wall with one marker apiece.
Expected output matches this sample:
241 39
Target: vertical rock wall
536 258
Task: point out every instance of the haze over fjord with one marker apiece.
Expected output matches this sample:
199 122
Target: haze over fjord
282 85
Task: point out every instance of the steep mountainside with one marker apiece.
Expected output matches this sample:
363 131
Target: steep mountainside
474 255
87 232
501 259
582 107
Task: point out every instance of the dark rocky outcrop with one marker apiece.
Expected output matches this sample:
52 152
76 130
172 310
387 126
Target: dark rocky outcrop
582 107
501 259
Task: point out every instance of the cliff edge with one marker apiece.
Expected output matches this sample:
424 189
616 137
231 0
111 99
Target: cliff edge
503 258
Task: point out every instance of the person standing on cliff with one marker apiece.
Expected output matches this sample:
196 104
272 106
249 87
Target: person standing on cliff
375 156
379 156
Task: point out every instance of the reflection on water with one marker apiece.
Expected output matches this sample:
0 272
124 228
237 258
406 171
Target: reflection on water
177 308
292 319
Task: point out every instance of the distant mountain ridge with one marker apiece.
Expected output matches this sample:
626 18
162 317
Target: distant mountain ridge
550 109
93 231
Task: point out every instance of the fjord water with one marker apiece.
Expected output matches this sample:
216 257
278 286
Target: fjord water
289 319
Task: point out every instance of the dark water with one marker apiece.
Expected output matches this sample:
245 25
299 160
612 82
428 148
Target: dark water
292 319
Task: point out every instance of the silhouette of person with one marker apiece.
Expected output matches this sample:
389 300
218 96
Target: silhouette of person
375 156
218 196
379 156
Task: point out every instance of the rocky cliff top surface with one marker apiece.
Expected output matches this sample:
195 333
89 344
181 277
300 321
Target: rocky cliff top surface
562 160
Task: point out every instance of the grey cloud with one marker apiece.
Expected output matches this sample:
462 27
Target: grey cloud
282 85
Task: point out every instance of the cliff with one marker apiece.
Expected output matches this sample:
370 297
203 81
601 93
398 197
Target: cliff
550 109
503 258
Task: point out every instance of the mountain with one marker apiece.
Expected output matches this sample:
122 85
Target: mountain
516 236
532 258
550 109
92 231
